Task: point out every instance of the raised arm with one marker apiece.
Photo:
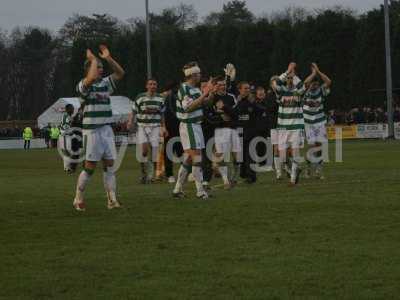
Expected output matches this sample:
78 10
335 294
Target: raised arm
91 75
230 76
278 84
310 78
290 71
119 72
327 81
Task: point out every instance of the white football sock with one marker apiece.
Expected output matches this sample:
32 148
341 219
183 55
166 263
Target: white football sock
198 178
223 170
83 180
110 184
182 175
278 165
295 167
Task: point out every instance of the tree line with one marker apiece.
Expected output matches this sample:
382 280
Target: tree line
39 66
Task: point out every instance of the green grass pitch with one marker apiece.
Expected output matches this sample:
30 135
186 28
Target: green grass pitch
334 239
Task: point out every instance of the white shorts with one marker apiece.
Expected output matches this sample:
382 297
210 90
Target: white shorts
149 135
290 139
99 144
227 140
191 136
274 137
316 133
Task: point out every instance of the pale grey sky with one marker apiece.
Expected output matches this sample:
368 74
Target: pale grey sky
53 13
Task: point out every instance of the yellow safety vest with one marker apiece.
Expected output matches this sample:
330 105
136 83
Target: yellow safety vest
27 134
54 133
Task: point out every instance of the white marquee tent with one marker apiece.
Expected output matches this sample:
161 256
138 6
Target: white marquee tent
121 107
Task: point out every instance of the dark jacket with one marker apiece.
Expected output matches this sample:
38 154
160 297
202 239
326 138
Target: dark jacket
246 112
171 121
225 118
262 120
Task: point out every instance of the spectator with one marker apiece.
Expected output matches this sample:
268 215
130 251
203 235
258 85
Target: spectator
46 133
331 118
172 125
358 116
27 135
54 135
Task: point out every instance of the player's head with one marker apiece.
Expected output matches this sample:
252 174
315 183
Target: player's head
69 109
260 93
290 80
244 89
100 68
315 84
220 84
151 85
192 72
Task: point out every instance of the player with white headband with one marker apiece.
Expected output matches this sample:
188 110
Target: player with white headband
189 111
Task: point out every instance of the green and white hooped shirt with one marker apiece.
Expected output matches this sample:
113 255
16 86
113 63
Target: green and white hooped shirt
186 95
148 109
313 108
96 99
290 113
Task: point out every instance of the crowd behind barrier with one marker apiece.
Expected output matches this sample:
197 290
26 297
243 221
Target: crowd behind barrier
16 132
363 115
354 131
